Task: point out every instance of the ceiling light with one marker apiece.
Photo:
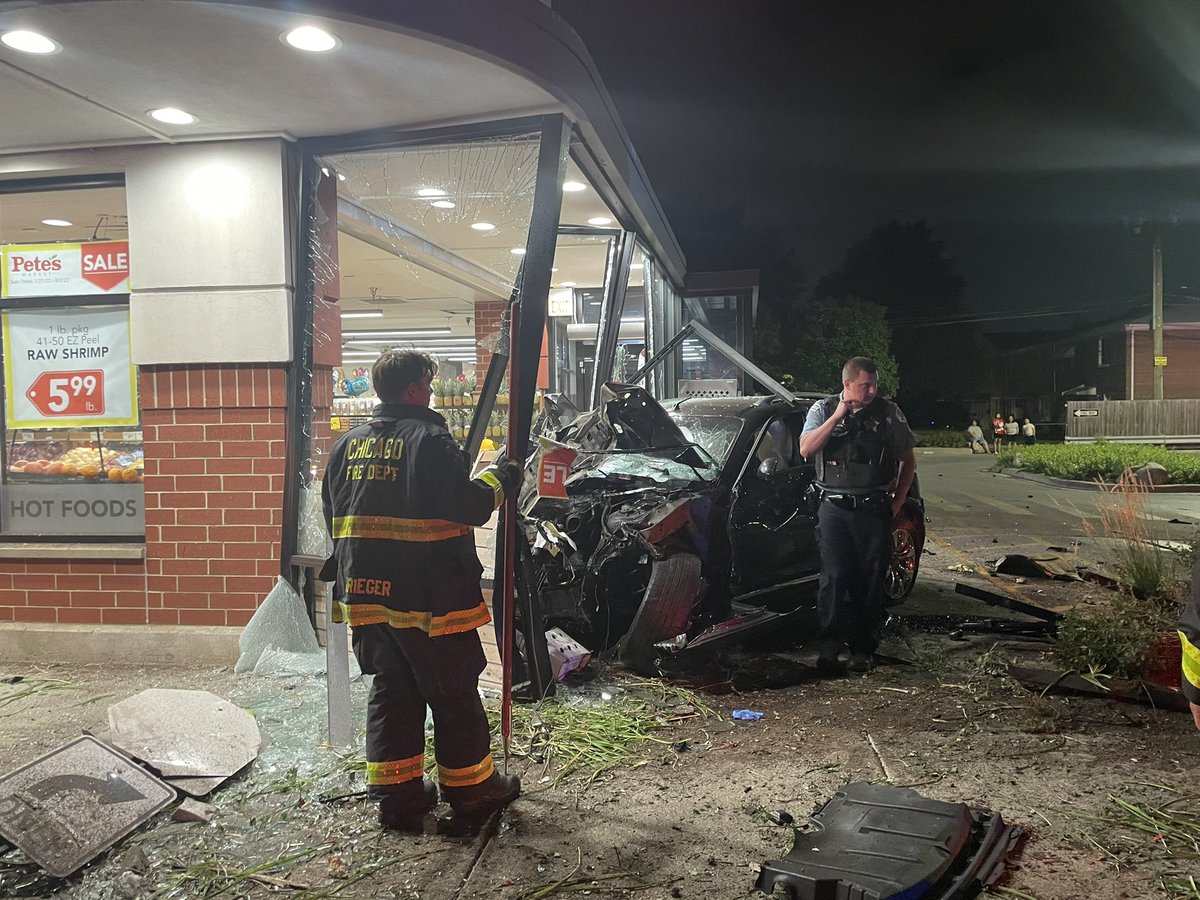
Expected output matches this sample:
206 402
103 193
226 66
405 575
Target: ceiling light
57 223
371 314
568 284
574 186
431 192
443 204
29 42
311 39
483 226
517 251
554 270
599 220
341 177
172 116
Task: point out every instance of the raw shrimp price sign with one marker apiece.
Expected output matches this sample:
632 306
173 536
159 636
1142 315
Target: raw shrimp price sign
68 367
69 393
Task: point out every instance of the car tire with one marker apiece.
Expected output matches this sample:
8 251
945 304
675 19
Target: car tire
666 606
901 572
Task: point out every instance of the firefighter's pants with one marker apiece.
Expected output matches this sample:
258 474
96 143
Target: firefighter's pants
412 671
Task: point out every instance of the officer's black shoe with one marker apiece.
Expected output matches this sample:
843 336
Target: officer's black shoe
861 663
828 665
401 814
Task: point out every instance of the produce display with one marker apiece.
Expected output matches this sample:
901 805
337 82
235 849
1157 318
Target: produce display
54 458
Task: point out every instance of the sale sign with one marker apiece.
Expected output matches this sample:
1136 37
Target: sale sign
65 270
553 468
68 367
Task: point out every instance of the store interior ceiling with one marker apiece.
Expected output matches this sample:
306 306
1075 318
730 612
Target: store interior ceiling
115 64
432 288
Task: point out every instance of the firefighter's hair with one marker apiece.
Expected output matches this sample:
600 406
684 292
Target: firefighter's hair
856 365
396 369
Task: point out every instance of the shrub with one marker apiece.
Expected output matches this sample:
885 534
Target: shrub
1115 641
941 437
1089 462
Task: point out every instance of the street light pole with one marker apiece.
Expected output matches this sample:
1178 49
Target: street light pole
1156 318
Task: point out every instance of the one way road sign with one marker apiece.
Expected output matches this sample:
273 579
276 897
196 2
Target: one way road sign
1085 413
71 804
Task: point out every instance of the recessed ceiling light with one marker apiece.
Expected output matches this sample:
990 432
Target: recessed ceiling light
568 284
517 251
599 220
341 177
29 42
311 39
172 116
57 223
371 314
554 270
574 186
483 226
443 204
431 192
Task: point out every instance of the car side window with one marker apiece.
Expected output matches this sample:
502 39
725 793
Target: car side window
778 446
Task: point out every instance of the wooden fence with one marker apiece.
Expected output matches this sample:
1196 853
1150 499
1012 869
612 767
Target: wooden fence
1169 422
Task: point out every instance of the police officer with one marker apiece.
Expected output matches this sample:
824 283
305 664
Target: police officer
399 502
864 460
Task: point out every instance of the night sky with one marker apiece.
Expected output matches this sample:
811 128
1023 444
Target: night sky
1032 136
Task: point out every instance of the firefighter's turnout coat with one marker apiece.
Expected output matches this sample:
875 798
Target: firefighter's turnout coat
1189 634
399 502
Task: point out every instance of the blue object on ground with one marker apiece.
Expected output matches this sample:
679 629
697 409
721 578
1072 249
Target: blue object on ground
747 715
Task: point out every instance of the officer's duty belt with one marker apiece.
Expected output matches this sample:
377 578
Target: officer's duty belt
856 501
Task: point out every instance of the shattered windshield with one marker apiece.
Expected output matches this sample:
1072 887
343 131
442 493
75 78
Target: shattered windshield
715 434
690 462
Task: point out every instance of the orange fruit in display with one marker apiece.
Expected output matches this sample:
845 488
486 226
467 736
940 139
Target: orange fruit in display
115 474
89 471
70 469
130 474
55 468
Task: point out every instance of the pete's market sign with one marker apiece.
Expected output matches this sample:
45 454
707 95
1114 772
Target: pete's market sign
65 270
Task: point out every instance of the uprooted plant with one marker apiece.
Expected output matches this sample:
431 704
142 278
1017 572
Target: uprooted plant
1116 639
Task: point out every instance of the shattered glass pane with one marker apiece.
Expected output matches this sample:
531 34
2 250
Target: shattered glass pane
715 434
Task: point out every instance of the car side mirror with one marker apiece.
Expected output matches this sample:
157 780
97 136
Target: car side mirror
769 467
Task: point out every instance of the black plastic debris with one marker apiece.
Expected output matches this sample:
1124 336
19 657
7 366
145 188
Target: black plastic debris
874 842
780 817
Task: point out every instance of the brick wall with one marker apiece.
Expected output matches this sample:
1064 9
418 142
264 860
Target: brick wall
214 475
487 323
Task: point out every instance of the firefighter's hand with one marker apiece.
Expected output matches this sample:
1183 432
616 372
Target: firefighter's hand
509 472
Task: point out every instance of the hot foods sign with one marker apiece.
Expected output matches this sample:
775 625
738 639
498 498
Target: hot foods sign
65 270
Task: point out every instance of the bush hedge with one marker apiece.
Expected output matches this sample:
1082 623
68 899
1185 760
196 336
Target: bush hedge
941 437
1087 462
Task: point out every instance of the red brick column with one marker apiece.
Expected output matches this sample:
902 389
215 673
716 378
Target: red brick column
214 474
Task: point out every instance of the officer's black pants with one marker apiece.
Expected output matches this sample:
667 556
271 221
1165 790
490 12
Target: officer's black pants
855 548
413 670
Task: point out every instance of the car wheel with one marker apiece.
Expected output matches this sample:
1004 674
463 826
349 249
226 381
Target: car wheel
670 596
901 572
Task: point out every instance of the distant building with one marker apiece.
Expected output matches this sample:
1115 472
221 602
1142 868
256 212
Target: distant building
1034 374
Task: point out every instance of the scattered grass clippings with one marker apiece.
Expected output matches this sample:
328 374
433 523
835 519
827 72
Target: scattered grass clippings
214 877
17 687
1143 830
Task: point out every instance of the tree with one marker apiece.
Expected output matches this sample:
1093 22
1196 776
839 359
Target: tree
830 332
900 266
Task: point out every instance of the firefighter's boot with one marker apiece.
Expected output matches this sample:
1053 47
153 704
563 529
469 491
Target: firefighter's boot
473 806
405 814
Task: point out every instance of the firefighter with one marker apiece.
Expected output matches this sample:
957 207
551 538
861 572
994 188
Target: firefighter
400 505
1189 634
864 467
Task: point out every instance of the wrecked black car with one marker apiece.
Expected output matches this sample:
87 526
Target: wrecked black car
664 528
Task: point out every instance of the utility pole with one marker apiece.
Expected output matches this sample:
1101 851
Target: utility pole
1156 319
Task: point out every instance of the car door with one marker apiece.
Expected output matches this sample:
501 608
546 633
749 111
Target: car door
772 519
